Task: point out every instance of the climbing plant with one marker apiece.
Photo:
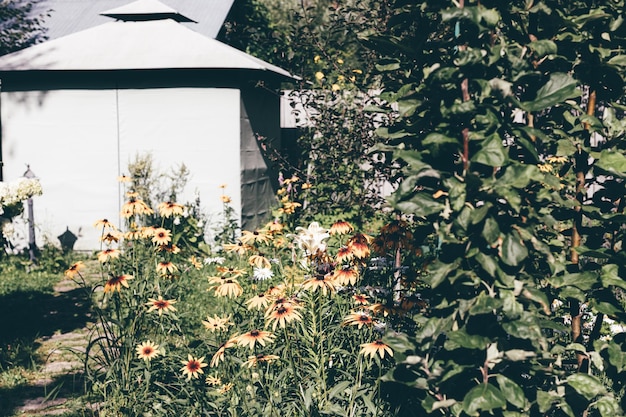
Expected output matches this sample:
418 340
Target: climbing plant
510 142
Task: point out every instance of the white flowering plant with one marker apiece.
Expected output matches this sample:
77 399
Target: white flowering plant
12 196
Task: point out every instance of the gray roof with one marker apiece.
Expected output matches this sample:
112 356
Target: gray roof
134 45
69 16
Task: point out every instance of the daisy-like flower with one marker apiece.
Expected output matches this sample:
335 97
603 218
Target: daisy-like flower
254 337
169 248
104 223
160 305
319 281
258 236
74 269
213 380
108 254
556 159
169 209
218 260
344 254
345 276
259 261
545 167
116 282
371 349
258 302
134 206
195 262
166 268
193 367
288 207
276 290
228 288
221 351
225 199
225 388
283 314
382 308
162 236
124 178
359 318
341 228
216 323
239 248
361 299
262 274
232 271
260 358
147 232
133 235
274 227
358 244
111 237
147 351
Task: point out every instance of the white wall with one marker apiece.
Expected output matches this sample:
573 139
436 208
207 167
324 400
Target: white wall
78 141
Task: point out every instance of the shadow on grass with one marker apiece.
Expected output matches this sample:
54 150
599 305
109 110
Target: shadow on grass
25 317
53 395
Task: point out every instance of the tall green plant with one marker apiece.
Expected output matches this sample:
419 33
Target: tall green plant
503 148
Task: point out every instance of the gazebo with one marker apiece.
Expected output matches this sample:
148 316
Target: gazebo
79 108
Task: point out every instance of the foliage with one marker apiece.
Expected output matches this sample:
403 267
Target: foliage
19 28
510 141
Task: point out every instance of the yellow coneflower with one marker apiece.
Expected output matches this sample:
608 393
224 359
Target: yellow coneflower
344 254
276 290
166 268
225 199
361 299
345 276
545 167
116 282
258 236
134 206
239 248
231 271
147 351
253 337
216 323
253 360
359 318
162 236
169 209
557 159
358 244
132 195
104 223
193 367
213 380
225 388
283 314
259 302
259 261
74 269
293 179
124 178
382 308
289 207
319 281
133 235
113 236
371 349
221 351
341 228
108 254
160 305
195 262
148 231
169 248
274 227
228 288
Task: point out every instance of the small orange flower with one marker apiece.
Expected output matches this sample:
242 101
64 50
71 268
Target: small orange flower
358 244
345 276
216 323
124 178
193 367
234 272
162 236
361 299
111 237
259 261
344 254
225 199
108 254
359 318
134 206
254 337
74 269
116 282
341 228
169 248
195 262
371 349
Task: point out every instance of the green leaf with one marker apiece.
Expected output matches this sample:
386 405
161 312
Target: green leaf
421 204
560 87
460 338
617 357
487 263
545 400
543 47
582 280
520 175
491 230
619 60
484 397
607 407
512 392
586 385
492 152
439 271
612 162
438 138
513 250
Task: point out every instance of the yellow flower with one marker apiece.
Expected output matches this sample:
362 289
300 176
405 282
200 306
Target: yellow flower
111 237
170 248
358 244
169 209
359 318
319 75
161 236
225 388
371 349
166 268
195 262
225 198
259 261
147 351
259 302
357 71
160 305
234 272
361 299
340 61
345 276
193 367
316 59
258 236
213 380
556 159
344 254
255 359
124 178
222 186
219 355
334 87
545 167
229 288
321 281
108 254
341 227
116 282
134 206
104 223
74 269
307 185
239 248
289 207
216 323
253 337
283 314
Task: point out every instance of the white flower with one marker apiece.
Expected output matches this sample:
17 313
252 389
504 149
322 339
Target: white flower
311 239
215 260
176 221
261 274
8 230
